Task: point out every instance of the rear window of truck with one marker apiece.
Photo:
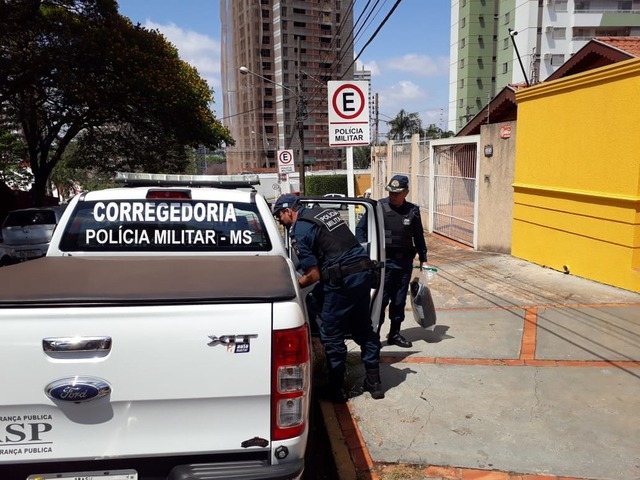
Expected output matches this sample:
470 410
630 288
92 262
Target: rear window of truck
165 226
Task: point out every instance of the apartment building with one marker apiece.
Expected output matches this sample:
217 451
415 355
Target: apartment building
288 49
497 42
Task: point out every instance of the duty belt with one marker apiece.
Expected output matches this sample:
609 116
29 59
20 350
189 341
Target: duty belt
336 273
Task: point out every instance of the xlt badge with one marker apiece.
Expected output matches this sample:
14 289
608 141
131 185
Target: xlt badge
236 343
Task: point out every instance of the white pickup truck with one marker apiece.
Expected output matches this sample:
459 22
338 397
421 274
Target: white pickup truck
163 336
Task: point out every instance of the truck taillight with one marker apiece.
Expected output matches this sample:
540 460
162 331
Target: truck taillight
290 374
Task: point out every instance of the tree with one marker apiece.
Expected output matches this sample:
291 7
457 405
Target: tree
12 152
361 157
433 131
404 125
77 70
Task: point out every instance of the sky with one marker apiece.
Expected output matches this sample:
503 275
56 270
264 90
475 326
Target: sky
408 58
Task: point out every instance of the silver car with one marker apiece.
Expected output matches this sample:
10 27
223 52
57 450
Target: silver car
27 232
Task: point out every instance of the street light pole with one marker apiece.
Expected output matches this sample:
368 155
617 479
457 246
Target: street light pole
300 113
512 34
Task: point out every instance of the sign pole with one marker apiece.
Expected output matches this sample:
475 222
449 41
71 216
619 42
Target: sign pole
350 184
350 179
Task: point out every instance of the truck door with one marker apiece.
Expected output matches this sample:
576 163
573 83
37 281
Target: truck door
365 220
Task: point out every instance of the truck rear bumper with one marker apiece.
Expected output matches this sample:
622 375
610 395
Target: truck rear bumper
252 470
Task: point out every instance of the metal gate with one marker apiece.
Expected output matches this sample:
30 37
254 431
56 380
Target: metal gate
454 200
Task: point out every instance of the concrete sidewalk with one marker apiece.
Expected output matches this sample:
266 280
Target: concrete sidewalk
530 374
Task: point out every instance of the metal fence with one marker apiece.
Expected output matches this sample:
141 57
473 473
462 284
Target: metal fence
443 184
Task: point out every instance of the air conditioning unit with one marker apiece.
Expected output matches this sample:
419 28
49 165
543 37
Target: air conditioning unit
547 56
551 2
549 29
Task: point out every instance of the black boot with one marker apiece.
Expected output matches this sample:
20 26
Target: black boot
394 337
373 384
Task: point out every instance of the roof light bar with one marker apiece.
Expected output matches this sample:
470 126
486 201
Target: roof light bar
171 180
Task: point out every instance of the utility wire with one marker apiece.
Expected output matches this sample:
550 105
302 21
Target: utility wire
373 36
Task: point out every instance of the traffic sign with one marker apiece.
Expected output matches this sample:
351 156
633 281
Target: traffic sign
348 113
285 161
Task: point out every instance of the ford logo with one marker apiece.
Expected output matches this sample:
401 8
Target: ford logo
77 389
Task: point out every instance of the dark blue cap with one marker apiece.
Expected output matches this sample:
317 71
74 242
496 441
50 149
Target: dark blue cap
288 200
397 184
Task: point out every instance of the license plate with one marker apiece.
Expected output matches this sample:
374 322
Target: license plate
104 475
28 253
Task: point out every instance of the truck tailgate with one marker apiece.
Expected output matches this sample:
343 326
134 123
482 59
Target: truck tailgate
178 383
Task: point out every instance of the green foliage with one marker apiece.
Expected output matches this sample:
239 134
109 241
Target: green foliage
404 125
323 184
12 152
362 157
76 70
433 131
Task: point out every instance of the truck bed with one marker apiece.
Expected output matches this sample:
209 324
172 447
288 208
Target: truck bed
170 280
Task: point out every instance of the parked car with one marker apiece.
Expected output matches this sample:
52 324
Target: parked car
6 255
27 232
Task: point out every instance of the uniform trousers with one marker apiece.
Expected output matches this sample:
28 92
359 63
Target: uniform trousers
346 310
396 286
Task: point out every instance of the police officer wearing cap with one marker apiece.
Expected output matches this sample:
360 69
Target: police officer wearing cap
329 253
404 237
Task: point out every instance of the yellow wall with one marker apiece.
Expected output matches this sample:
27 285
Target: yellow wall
577 175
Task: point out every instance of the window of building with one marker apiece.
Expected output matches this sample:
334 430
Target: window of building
264 2
462 63
300 24
325 28
557 59
560 5
505 43
461 103
268 104
559 33
625 5
283 11
463 42
463 22
299 11
507 18
325 40
285 38
265 13
266 65
268 91
462 83
337 18
266 39
266 27
505 68
267 116
582 5
265 52
268 128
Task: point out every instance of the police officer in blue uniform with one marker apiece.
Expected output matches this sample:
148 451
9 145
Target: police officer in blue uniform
329 253
404 237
